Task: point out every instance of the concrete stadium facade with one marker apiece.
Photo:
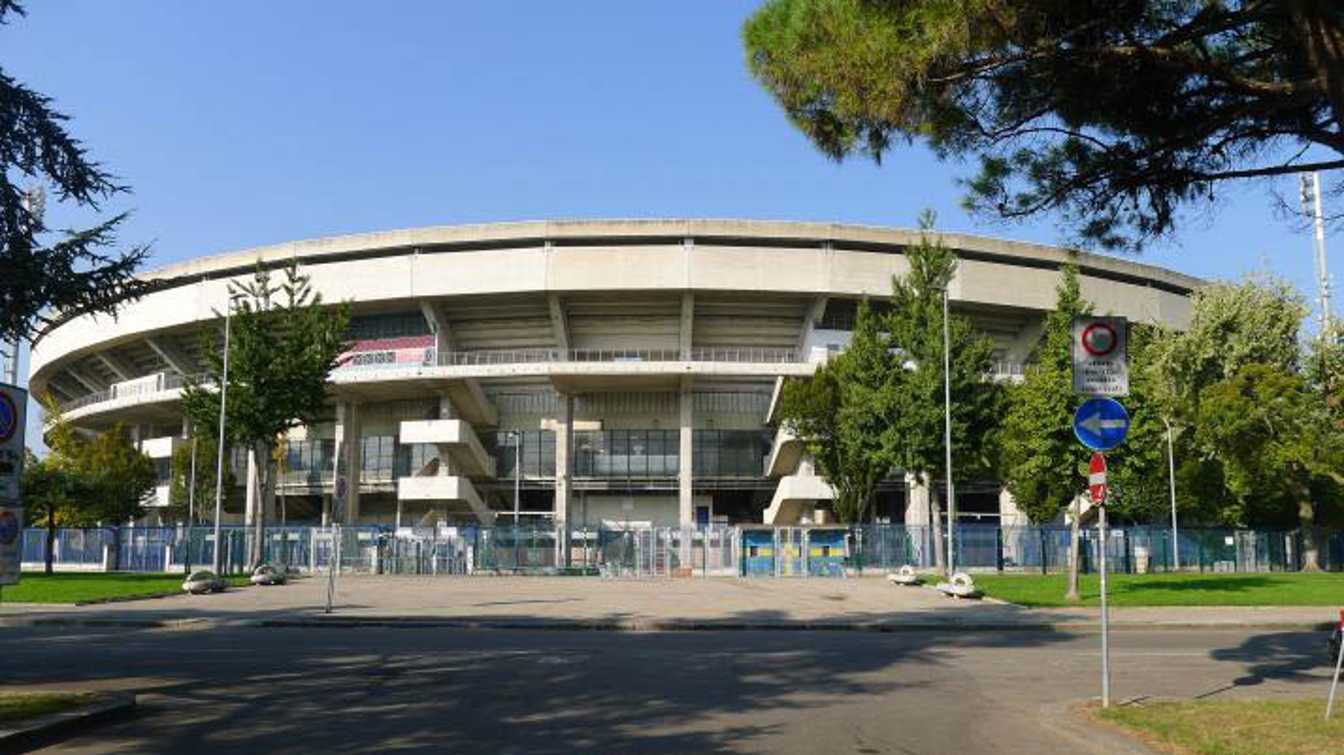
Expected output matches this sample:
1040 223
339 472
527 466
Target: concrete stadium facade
629 367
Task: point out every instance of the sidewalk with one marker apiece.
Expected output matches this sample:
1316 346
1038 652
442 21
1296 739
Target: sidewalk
870 604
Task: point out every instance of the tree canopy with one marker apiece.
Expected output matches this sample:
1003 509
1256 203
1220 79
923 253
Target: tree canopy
1112 114
1042 460
51 274
840 414
283 344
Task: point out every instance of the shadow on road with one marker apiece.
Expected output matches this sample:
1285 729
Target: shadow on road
380 689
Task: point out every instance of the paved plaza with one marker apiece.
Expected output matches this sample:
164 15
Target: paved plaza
631 604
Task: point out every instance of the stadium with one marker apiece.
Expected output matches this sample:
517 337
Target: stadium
617 372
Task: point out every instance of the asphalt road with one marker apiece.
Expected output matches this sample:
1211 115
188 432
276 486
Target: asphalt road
333 690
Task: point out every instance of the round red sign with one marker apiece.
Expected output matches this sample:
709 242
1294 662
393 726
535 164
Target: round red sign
1099 339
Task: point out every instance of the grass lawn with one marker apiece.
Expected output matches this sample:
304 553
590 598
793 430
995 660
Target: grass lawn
1279 589
74 587
18 706
1235 727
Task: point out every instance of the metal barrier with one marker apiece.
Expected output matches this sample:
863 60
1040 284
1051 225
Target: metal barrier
718 550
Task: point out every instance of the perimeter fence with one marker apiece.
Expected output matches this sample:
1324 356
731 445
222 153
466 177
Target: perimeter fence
717 550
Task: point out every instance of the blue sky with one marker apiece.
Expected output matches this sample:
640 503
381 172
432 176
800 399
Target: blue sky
239 124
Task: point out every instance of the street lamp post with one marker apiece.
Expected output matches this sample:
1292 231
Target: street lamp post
947 438
517 473
1171 477
219 457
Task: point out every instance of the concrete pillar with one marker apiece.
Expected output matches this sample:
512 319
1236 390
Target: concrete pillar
349 459
326 511
564 463
685 465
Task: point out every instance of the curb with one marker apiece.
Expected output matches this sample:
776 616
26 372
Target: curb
628 625
44 730
638 625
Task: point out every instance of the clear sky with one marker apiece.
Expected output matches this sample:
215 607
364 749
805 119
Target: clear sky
240 124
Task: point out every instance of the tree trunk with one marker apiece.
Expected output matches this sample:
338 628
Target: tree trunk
263 464
1306 515
50 556
936 524
1075 553
1323 43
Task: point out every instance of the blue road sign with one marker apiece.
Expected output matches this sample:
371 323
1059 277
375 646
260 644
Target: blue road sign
1101 423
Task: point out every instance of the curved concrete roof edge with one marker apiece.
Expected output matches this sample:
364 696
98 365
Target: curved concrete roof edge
314 249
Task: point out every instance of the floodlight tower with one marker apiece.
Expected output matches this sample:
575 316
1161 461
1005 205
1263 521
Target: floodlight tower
1311 206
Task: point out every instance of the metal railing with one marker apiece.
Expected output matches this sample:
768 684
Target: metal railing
551 356
716 550
172 381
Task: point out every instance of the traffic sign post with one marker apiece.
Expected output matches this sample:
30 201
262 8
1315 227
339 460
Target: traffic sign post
1101 356
1097 488
13 401
1101 424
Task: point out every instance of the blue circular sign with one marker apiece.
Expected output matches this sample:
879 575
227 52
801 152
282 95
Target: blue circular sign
9 417
1101 423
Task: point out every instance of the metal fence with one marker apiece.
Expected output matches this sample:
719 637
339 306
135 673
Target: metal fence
718 550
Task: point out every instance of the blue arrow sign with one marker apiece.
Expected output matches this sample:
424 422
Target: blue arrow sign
1101 423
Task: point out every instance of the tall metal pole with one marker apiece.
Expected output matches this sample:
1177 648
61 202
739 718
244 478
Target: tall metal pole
191 490
191 506
219 457
517 473
1171 477
1105 616
1311 204
947 439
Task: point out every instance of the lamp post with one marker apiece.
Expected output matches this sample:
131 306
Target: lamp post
219 457
517 473
1171 477
947 438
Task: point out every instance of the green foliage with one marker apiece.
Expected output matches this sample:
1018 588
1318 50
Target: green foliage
1279 457
52 494
1234 381
121 477
181 488
1137 470
50 278
839 414
84 481
283 344
1113 115
1043 463
1232 325
915 438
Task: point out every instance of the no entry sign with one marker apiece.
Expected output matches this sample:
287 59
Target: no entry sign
1096 478
1100 356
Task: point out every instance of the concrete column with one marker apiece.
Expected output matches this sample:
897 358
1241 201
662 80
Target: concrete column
564 464
326 511
685 465
349 459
